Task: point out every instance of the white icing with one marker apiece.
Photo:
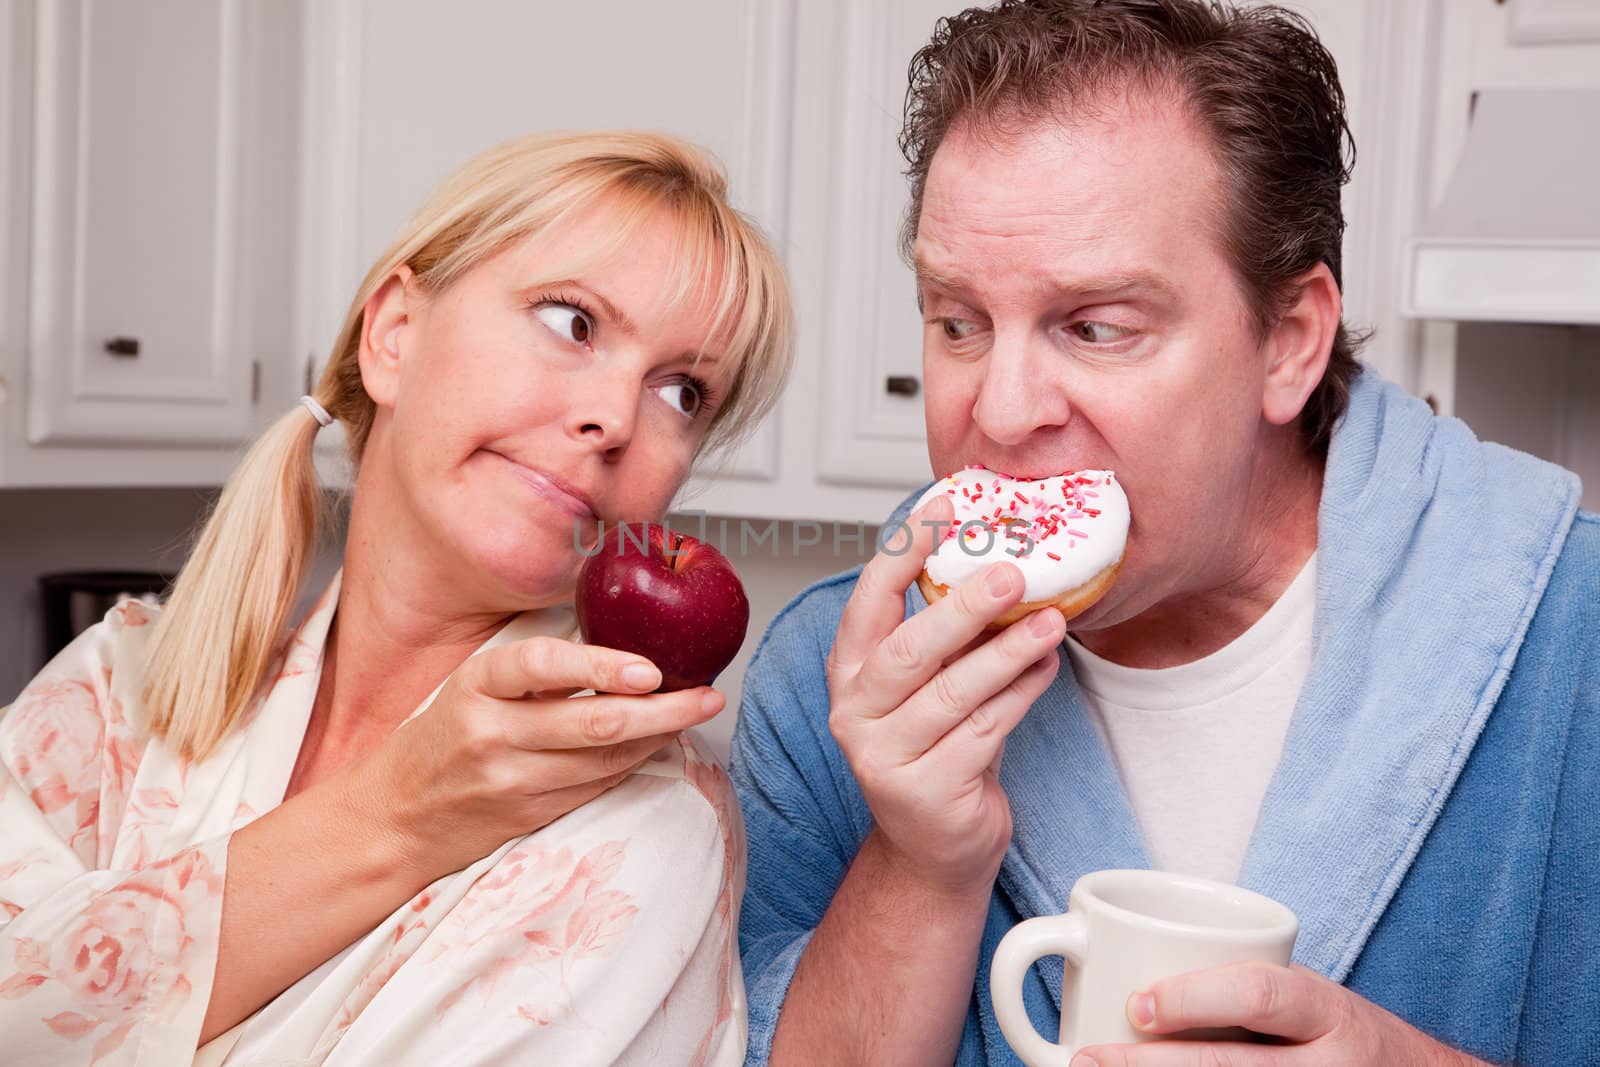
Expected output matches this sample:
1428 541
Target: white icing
1080 517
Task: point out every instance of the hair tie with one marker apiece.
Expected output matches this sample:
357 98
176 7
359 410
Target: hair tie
318 412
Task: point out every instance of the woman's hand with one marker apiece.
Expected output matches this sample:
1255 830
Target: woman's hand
921 707
1315 1021
505 749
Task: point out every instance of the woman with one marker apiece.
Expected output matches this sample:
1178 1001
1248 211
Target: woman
390 836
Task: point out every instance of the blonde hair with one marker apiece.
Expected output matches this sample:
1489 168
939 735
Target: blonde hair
221 630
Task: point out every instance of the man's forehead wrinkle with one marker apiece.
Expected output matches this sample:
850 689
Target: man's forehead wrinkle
1046 225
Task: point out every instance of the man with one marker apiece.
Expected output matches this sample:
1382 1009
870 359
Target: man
1350 658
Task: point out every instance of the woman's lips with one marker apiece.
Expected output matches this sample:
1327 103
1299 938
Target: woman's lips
553 489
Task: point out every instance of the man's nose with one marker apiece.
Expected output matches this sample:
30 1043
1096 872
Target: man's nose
1019 393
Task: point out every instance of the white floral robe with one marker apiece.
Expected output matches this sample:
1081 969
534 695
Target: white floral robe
609 936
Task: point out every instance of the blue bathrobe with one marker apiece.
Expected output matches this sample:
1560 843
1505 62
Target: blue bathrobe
1435 818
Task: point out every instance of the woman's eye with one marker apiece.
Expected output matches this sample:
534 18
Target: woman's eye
684 396
568 322
1098 332
958 329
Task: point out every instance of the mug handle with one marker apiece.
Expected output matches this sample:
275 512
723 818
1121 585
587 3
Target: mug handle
1027 942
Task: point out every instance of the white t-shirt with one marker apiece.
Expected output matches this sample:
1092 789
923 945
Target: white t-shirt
1196 744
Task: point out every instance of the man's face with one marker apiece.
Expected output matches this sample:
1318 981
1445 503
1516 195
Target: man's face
1080 313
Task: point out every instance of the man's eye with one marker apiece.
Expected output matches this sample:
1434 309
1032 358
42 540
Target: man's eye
685 396
1098 332
568 322
958 329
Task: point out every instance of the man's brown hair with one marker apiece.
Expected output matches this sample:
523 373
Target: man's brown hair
1257 81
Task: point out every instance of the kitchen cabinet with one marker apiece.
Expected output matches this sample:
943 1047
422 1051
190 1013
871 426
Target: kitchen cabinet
213 178
871 430
1478 46
149 171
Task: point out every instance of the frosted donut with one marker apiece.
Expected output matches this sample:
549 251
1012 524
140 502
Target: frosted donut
1066 534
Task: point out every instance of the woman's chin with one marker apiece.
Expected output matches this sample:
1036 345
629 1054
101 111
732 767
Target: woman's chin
537 569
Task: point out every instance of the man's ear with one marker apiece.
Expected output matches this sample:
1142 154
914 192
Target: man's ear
384 323
1298 347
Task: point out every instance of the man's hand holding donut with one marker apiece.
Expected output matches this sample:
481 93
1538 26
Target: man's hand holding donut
921 707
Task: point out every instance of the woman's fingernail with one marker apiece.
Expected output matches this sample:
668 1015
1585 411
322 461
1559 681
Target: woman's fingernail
639 676
1142 1009
1040 623
712 701
998 582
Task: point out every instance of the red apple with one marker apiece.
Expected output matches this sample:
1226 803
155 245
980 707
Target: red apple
685 611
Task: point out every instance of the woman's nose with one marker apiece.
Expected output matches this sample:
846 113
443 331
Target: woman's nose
1019 394
604 415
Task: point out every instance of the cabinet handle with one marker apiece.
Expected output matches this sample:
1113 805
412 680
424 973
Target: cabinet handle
123 346
902 385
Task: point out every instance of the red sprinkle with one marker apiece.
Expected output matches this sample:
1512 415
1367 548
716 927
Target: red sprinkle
1053 556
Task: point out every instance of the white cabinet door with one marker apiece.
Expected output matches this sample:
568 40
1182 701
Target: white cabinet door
871 429
159 254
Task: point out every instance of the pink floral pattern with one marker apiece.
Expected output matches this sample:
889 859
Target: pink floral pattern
52 754
106 961
540 907
606 937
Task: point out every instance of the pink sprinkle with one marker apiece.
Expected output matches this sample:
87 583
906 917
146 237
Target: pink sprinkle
1077 533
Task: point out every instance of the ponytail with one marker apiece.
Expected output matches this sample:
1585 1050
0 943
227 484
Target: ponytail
220 630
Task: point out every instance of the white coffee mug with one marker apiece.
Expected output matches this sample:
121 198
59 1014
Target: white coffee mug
1122 931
